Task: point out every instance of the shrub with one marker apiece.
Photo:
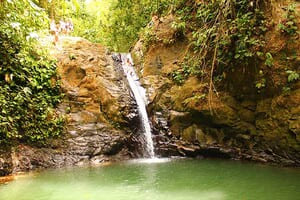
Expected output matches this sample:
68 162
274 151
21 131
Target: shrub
292 76
289 25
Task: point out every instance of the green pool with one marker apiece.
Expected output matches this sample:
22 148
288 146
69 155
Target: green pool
178 179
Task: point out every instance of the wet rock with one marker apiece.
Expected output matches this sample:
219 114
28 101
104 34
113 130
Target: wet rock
6 164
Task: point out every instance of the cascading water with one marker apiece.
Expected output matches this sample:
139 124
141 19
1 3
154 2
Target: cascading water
141 100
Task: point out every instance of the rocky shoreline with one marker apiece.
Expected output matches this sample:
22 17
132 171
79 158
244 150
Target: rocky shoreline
168 145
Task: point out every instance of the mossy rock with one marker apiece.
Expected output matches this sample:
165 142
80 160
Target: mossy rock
189 134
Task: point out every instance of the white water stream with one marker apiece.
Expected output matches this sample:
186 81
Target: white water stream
141 100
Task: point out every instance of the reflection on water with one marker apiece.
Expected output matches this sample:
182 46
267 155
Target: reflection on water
157 179
150 160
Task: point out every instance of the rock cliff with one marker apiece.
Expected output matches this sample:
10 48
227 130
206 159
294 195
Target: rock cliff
97 107
239 121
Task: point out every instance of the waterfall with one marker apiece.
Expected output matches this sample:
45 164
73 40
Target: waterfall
140 96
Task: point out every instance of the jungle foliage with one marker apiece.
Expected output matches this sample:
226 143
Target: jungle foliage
113 23
224 34
227 36
126 19
29 86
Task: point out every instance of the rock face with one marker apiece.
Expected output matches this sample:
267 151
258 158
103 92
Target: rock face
238 122
98 109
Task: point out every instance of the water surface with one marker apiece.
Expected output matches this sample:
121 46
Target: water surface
179 179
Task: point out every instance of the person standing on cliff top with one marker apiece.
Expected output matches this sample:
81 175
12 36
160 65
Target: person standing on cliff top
153 19
54 31
52 27
128 62
62 27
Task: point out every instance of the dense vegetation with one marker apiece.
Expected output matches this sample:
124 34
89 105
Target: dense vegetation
116 24
227 36
29 90
125 20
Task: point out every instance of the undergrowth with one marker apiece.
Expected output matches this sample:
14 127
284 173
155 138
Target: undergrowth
289 25
225 35
29 86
